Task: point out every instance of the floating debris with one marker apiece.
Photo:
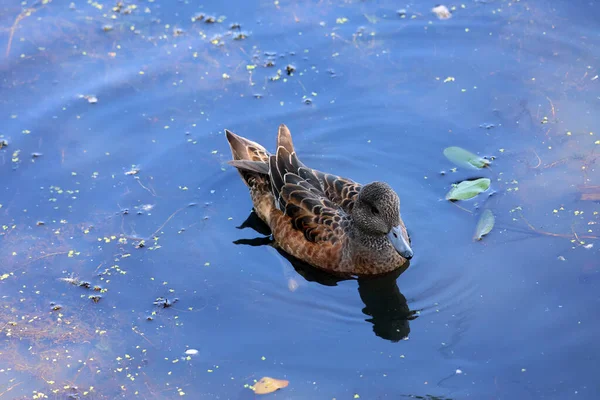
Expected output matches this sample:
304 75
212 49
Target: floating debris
240 36
401 12
72 280
95 298
135 169
164 302
178 31
90 98
198 17
145 207
441 12
85 284
191 352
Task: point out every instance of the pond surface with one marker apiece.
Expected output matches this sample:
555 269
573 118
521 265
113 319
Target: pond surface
119 247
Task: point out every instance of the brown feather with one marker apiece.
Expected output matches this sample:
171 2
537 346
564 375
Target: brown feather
284 139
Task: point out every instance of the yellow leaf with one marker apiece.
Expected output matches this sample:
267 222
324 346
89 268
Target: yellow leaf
269 385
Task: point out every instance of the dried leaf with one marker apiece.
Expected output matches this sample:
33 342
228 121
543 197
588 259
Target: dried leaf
485 224
269 385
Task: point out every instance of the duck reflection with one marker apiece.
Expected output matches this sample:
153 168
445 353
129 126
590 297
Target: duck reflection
385 306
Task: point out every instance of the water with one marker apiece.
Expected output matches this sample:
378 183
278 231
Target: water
373 96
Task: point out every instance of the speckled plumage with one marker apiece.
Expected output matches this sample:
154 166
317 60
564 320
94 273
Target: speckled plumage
330 222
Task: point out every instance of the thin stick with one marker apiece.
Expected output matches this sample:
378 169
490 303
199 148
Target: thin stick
24 14
152 192
561 161
552 106
539 159
142 335
556 234
159 228
10 388
167 221
464 209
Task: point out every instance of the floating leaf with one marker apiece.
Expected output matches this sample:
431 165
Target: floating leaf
269 385
463 157
468 189
485 224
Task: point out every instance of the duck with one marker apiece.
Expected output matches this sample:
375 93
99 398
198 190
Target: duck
324 220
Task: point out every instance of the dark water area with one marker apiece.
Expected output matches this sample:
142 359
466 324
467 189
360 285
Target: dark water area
119 215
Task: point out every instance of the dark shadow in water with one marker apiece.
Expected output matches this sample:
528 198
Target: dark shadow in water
385 306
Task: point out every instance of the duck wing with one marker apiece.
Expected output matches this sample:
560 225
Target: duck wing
341 191
299 195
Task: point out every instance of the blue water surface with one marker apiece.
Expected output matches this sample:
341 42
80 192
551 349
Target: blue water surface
119 215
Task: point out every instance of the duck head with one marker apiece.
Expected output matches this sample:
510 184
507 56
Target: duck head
377 213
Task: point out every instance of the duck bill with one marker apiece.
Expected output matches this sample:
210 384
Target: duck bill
400 243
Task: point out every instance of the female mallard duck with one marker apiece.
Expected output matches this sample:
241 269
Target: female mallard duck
324 220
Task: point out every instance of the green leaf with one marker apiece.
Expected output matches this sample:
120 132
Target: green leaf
468 189
462 157
485 224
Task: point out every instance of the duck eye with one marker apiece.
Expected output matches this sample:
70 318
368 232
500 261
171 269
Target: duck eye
374 210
